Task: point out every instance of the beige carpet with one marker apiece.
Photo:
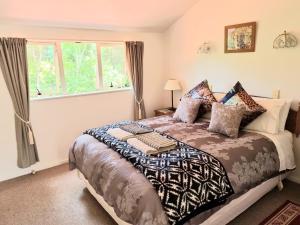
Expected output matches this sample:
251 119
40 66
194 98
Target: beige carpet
57 197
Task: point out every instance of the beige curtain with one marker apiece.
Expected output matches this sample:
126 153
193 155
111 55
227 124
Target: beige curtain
13 63
134 56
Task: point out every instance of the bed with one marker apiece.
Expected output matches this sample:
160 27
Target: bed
255 163
223 216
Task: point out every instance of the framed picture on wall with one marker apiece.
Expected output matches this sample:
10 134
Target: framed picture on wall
240 38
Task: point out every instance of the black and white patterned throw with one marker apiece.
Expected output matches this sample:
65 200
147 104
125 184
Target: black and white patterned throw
188 181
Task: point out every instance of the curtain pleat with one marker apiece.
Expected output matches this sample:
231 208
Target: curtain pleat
13 63
134 57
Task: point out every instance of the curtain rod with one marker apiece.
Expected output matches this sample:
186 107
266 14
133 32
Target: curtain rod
73 40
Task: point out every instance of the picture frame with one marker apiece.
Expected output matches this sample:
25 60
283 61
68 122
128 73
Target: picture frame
240 38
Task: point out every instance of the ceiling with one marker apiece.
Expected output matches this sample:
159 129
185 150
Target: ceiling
141 15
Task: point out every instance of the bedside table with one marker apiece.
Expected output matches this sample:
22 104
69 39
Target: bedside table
163 112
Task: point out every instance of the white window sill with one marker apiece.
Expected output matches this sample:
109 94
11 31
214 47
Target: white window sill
42 98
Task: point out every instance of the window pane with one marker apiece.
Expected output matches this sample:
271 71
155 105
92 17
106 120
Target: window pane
113 66
42 70
80 67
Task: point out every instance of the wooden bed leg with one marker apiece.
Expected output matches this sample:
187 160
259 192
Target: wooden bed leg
280 184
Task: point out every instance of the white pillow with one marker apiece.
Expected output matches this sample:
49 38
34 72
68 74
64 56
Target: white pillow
284 114
270 121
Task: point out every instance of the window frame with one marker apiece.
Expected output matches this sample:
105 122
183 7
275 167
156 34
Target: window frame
58 60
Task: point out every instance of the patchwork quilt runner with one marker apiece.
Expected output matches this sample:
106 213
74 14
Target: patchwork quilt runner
188 181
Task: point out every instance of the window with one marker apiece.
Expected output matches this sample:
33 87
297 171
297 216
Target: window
42 69
80 67
66 68
113 66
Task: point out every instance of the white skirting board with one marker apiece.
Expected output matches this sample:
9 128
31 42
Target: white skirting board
293 178
36 167
223 216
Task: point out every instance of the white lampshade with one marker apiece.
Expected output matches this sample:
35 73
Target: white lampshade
172 85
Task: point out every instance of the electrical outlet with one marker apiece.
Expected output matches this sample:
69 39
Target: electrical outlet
276 94
210 87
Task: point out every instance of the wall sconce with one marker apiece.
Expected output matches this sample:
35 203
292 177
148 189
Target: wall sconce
285 40
204 48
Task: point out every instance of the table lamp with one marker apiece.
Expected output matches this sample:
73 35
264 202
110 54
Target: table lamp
172 85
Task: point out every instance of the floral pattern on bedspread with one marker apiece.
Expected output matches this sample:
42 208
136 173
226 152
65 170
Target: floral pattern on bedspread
252 152
248 160
187 180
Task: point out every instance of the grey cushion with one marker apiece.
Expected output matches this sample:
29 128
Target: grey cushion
202 91
226 119
238 96
187 110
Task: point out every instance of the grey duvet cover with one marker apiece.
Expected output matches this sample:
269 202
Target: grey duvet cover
248 160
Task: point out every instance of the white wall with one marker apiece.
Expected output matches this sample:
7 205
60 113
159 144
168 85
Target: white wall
57 122
260 72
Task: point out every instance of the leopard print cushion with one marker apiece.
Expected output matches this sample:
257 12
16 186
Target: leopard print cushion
202 92
238 96
226 119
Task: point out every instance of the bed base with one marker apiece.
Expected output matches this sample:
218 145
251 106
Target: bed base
101 201
223 216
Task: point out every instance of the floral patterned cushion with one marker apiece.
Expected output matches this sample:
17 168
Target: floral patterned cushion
202 92
187 110
238 96
226 119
